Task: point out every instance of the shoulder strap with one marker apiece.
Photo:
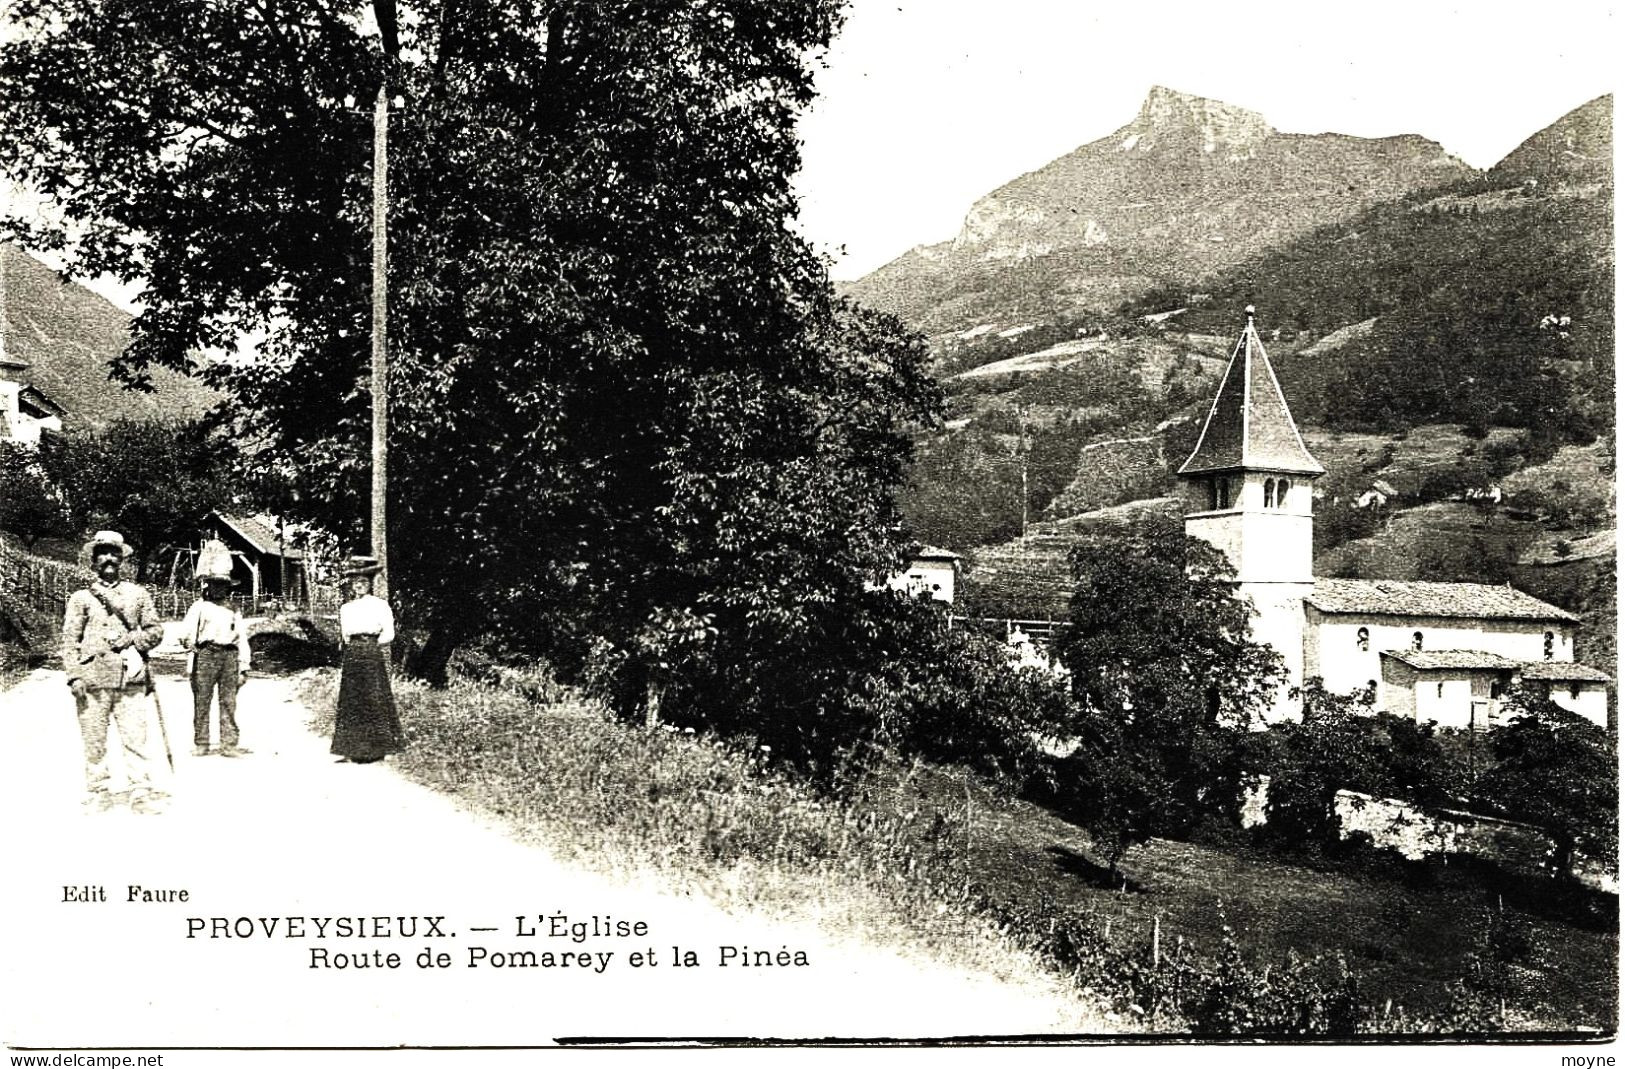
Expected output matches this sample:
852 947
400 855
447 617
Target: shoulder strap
110 607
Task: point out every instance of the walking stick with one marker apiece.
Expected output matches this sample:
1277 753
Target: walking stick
158 708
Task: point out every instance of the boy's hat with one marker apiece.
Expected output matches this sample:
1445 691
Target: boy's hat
214 562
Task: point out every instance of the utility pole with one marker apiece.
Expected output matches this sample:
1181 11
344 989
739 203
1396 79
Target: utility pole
380 329
385 13
1021 447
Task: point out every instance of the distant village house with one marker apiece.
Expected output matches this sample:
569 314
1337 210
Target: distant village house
26 411
930 571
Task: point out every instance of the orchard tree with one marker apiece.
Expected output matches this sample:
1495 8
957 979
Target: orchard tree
622 391
152 480
1168 679
29 505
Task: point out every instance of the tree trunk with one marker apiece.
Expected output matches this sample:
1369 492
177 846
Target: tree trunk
430 661
651 705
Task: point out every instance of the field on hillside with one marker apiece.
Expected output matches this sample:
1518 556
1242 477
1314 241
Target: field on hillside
1408 935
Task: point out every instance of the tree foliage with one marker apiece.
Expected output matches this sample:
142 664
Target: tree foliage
1168 679
29 505
622 392
884 672
152 480
1559 771
1342 744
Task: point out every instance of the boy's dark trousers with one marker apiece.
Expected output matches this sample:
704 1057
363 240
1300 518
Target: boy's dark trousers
214 666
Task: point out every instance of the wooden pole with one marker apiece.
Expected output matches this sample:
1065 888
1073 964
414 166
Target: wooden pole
380 364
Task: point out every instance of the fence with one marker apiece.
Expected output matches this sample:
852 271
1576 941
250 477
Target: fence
45 585
1042 632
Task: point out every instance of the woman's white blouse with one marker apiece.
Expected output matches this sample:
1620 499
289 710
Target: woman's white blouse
367 615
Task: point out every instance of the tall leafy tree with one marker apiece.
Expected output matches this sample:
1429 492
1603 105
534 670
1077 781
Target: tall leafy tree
626 406
30 507
1168 678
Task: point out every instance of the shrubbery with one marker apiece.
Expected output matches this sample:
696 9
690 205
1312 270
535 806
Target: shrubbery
883 673
1340 744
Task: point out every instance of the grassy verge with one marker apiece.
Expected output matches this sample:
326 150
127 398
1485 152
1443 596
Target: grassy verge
1210 939
714 818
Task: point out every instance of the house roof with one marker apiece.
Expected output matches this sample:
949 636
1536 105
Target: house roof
1399 597
1566 671
37 403
932 553
1432 660
1458 660
1249 425
261 536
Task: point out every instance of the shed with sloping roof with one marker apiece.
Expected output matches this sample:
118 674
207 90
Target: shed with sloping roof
265 560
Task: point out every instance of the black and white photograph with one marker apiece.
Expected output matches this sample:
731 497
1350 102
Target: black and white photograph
951 528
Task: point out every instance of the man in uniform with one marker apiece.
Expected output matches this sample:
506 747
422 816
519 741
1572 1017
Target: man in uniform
106 633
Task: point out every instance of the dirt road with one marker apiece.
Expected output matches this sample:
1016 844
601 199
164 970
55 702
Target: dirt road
222 918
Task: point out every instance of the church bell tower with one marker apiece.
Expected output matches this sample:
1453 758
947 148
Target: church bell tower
1248 490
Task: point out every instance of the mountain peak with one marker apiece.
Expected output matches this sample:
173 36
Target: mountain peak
1169 116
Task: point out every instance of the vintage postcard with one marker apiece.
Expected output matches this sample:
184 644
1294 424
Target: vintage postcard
920 527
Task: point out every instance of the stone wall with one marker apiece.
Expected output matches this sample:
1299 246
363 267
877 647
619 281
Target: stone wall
1416 833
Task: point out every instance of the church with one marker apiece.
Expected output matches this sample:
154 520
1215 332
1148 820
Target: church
1442 652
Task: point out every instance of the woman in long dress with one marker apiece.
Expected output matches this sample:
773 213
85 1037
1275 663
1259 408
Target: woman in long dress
367 727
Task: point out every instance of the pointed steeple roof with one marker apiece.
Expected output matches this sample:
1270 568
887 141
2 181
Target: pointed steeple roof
1249 425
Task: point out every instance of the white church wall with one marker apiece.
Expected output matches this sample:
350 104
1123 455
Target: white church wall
1447 699
1589 700
1278 623
1345 663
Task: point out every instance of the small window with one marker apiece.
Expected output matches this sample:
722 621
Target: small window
1574 691
1362 638
1441 690
1416 641
1547 644
1281 488
1221 493
1269 493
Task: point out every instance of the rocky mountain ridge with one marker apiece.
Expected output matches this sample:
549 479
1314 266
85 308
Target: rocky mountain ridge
1188 186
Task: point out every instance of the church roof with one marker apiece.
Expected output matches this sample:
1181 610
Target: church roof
1249 425
1399 597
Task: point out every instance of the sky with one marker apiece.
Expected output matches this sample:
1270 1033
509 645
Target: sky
927 105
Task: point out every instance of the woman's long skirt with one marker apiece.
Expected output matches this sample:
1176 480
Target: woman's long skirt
367 727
